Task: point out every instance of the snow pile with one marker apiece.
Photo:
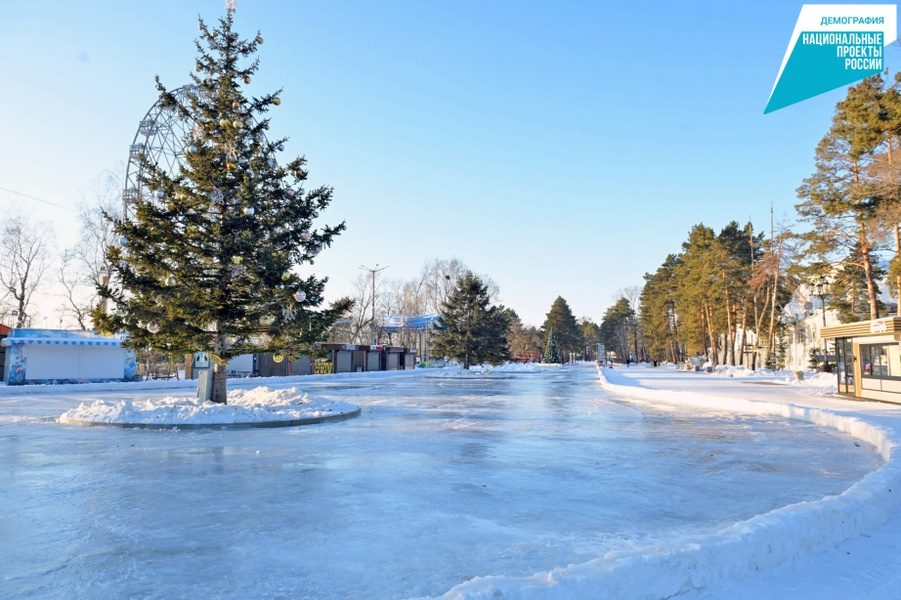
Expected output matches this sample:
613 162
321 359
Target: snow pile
820 381
511 367
729 371
486 371
762 542
254 406
826 382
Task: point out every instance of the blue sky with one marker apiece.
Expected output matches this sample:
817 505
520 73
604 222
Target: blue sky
564 148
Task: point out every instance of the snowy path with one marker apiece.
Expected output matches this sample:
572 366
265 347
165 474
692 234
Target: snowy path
865 567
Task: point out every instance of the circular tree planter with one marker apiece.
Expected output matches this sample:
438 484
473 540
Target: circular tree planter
259 407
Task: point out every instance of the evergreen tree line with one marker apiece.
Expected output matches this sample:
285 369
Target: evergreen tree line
722 295
473 331
719 297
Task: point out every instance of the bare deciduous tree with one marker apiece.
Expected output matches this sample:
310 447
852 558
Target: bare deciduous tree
84 266
25 250
358 325
423 294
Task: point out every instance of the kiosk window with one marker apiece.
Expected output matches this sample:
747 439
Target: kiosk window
880 360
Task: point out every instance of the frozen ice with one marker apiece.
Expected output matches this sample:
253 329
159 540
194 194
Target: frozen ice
439 486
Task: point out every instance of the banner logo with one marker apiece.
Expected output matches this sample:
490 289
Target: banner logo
833 45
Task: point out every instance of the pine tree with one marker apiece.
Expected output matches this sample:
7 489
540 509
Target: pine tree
848 289
840 200
591 336
470 330
617 328
551 353
658 314
699 291
567 331
208 256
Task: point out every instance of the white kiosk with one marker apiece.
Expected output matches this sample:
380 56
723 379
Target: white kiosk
44 356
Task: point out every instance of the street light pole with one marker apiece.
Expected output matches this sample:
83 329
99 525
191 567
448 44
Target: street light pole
820 290
374 270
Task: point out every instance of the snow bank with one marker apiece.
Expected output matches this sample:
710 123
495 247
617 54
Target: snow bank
258 406
759 543
486 371
513 367
824 381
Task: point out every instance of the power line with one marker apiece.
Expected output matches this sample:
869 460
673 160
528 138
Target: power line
38 199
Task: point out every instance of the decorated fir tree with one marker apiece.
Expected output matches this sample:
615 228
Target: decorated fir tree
210 254
470 330
551 354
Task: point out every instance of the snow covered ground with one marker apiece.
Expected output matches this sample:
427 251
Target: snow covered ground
856 557
541 483
257 406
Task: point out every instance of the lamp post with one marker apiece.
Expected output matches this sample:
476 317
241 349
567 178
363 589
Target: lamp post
821 290
15 315
373 271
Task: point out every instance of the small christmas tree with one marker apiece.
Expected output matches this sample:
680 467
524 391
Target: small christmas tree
551 354
208 256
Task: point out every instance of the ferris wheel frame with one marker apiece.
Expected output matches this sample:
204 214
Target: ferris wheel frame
164 132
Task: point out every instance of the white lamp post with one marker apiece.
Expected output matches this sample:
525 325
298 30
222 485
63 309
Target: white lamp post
821 289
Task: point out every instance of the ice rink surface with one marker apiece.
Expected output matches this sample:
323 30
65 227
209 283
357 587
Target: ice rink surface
438 481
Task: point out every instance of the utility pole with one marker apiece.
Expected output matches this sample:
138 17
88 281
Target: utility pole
374 270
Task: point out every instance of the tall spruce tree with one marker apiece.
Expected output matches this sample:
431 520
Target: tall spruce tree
470 330
208 257
567 331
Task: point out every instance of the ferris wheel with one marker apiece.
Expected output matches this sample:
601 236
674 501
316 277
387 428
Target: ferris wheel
161 139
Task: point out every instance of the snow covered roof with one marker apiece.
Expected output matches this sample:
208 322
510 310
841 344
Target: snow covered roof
393 323
59 337
59 342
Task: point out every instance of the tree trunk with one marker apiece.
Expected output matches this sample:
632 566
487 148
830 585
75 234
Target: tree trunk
219 387
897 235
771 340
743 336
220 393
712 336
868 272
730 338
865 251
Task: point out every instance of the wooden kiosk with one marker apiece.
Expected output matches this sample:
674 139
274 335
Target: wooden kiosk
868 354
